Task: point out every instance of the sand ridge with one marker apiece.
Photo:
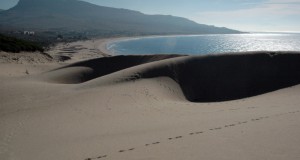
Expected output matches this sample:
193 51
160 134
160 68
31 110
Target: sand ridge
202 78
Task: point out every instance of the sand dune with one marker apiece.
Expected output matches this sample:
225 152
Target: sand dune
138 108
201 78
231 76
86 70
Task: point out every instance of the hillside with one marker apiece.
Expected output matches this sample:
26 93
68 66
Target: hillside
78 16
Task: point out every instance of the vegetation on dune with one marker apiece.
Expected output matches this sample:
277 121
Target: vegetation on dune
11 44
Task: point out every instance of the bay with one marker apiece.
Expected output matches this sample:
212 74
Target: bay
207 44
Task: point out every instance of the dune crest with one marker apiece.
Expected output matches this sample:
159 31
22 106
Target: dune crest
87 70
209 78
232 76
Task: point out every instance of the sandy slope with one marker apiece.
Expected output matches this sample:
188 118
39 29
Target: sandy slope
141 113
81 50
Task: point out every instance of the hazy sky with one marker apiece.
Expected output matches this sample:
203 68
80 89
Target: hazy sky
245 15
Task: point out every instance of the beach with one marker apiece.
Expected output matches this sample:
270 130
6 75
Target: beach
85 104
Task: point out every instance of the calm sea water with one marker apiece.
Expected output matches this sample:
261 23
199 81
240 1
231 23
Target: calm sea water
205 44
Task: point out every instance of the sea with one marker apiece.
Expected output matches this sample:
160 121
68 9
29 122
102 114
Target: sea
206 44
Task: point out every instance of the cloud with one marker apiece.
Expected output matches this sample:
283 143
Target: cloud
273 14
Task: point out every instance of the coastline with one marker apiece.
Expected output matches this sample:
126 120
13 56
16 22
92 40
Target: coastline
183 44
84 50
90 49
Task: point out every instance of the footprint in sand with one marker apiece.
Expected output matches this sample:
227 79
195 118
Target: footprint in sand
195 133
104 156
121 151
131 149
217 128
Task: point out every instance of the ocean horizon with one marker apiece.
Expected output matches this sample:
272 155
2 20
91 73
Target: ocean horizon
206 44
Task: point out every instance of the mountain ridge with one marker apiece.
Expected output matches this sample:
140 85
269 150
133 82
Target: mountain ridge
80 16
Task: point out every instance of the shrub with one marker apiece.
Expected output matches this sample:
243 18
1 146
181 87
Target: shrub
11 44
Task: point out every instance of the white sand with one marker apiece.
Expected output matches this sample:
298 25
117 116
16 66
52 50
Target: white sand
144 119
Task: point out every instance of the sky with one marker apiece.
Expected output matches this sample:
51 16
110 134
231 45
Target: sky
243 15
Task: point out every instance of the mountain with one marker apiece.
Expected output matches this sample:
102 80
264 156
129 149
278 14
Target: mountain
79 16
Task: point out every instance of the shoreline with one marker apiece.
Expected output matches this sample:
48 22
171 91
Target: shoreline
105 41
231 47
93 48
102 46
101 43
